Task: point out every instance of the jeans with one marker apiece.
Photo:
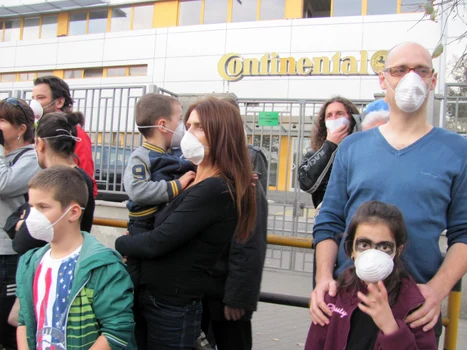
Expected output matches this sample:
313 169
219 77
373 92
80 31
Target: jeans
8 265
169 326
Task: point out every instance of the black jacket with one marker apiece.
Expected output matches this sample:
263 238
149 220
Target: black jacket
315 170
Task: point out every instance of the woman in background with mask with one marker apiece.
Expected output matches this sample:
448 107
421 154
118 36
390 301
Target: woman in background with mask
18 164
195 227
334 124
373 298
55 144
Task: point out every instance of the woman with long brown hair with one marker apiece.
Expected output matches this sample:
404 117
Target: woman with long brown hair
334 123
194 229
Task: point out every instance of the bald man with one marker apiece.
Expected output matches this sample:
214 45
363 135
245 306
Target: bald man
407 162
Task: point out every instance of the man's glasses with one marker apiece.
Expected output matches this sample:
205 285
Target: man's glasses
16 102
400 71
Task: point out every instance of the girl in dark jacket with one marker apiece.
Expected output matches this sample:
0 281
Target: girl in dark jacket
375 296
334 123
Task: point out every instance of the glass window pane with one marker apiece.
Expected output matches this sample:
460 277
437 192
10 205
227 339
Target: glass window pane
97 21
382 7
44 73
190 12
120 19
77 23
116 72
347 8
215 11
49 27
142 18
272 9
8 77
246 11
73 74
12 29
93 72
139 70
27 76
411 6
31 28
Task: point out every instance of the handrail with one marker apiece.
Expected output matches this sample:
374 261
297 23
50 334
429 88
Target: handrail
451 322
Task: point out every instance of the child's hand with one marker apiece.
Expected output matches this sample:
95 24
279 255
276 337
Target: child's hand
187 178
376 305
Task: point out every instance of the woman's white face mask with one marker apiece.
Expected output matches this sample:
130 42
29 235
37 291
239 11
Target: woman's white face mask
192 148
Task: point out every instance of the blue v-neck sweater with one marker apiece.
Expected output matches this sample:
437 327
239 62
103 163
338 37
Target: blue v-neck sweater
427 181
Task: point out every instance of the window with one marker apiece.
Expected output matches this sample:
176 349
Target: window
77 24
246 11
97 21
116 72
272 9
44 73
215 11
49 27
8 77
411 6
120 19
347 8
73 74
138 70
27 76
382 7
190 12
12 30
31 28
142 17
93 72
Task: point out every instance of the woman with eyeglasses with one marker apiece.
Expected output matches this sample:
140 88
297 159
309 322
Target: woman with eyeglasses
18 163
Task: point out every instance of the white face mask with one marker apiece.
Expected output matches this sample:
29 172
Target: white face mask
373 265
36 108
410 92
178 133
40 227
192 148
334 124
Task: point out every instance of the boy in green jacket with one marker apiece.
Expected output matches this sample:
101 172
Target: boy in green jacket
74 293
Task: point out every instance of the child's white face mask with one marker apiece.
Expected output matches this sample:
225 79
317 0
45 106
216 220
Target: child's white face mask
40 227
373 265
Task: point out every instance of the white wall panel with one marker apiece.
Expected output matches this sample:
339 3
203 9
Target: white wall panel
258 40
80 51
30 56
7 56
135 47
196 43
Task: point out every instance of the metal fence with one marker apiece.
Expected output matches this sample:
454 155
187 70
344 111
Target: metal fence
454 115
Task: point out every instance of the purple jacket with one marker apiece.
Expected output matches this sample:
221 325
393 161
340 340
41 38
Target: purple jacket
334 335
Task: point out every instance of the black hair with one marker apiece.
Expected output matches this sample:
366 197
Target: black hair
19 115
377 212
59 89
59 123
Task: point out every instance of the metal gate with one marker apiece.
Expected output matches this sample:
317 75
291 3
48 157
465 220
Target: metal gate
454 115
291 212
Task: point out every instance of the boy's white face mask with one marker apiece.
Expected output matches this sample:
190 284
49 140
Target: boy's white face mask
40 227
334 124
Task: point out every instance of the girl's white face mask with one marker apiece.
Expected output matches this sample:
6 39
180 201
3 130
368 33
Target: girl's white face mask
334 124
192 148
373 265
40 227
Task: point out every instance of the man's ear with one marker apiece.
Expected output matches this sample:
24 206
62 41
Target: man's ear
60 102
382 81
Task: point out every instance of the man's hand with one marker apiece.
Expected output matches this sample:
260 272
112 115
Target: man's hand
427 315
338 135
376 305
232 314
187 178
318 307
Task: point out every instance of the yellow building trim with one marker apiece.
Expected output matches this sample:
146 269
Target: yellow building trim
229 11
132 17
59 73
283 168
258 10
63 21
165 14
40 26
399 6
87 23
294 9
109 19
331 13
3 31
364 7
201 15
21 28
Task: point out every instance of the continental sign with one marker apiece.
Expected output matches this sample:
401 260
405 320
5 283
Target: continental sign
233 67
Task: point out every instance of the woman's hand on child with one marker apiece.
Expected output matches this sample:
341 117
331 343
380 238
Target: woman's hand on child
318 307
428 314
376 305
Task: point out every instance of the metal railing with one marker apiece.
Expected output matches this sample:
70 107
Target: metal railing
450 322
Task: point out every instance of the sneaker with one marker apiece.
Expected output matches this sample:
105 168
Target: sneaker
202 342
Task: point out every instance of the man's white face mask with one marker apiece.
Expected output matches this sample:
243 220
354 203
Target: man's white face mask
410 92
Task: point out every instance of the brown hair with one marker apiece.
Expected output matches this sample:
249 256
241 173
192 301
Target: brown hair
389 215
150 108
66 184
223 127
319 132
19 115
